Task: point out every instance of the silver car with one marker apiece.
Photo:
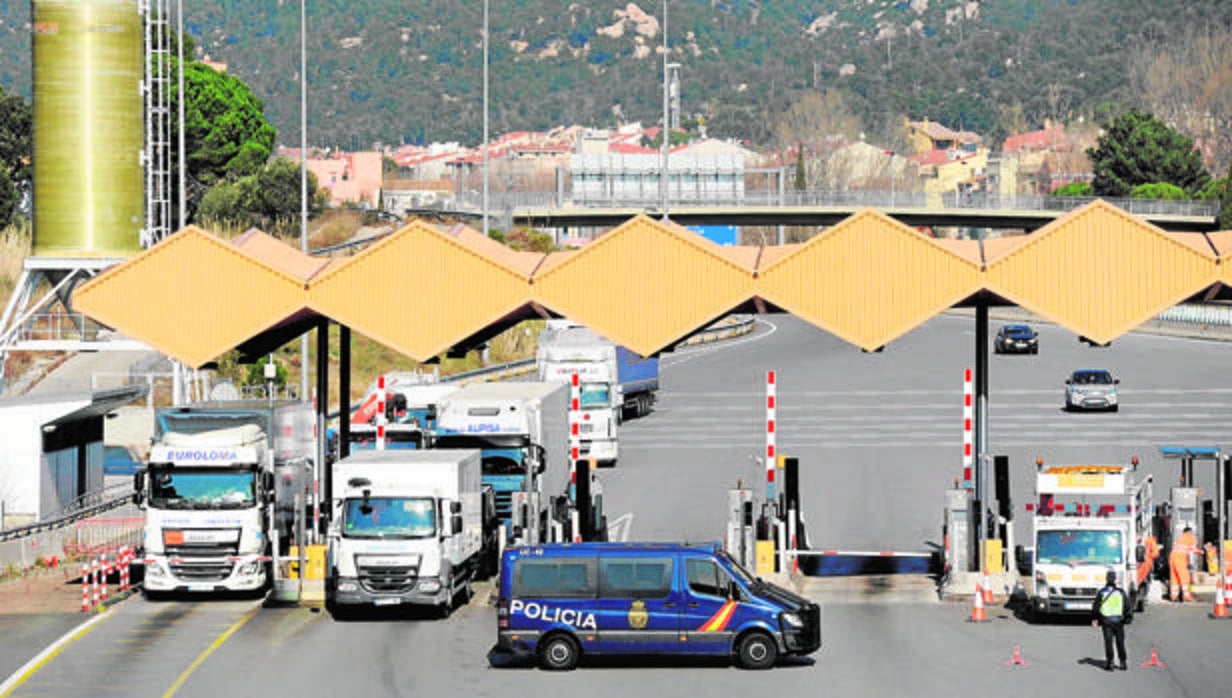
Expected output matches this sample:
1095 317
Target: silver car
1091 389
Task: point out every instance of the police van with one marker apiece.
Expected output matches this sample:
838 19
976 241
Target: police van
559 602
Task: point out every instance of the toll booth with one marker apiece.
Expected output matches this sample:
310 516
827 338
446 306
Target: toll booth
959 543
741 541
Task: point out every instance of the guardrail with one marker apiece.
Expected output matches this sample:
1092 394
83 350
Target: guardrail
508 201
1199 314
83 507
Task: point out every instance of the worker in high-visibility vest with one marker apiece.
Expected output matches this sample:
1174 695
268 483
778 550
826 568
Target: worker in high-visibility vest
1110 612
1147 565
1178 561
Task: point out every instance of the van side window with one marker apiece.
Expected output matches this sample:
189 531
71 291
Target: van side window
554 578
635 578
705 577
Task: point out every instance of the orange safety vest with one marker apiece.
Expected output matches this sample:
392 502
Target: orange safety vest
1186 544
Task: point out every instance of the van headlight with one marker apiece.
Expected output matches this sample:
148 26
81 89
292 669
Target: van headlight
430 586
348 586
791 621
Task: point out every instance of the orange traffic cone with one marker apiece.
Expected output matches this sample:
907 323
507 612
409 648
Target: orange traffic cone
1154 660
1221 605
1017 658
977 610
986 586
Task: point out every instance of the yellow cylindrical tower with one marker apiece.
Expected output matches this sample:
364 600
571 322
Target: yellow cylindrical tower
88 128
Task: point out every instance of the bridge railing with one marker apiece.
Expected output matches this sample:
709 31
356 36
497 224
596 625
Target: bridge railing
651 201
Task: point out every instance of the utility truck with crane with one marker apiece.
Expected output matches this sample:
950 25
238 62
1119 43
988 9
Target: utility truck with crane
613 381
219 492
1089 519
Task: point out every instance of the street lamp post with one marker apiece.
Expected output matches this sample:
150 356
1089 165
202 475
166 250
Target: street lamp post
663 163
485 117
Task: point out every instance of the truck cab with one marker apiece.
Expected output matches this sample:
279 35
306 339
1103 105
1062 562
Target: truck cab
409 528
207 499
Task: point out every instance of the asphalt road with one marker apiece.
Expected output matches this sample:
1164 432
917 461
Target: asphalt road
879 438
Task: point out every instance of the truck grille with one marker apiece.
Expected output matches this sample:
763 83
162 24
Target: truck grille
203 550
1087 592
387 580
504 505
202 571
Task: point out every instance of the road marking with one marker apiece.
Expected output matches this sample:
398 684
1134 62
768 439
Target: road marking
32 667
704 349
252 612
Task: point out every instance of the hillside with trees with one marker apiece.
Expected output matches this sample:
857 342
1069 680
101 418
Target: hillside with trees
398 72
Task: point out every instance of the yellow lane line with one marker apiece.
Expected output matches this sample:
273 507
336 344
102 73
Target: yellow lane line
209 650
32 667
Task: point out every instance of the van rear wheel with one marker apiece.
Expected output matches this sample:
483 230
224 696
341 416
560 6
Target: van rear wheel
757 651
558 653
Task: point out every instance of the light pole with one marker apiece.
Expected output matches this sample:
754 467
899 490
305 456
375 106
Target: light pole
667 69
485 117
303 175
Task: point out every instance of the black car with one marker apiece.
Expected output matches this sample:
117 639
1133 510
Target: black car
1016 339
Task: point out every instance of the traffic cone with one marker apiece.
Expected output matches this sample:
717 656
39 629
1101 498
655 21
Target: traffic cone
1017 659
1221 606
986 586
1154 660
977 609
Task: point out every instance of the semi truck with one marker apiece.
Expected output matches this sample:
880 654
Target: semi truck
408 528
219 489
613 383
1089 519
522 430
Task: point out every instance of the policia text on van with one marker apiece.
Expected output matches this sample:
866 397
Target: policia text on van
559 602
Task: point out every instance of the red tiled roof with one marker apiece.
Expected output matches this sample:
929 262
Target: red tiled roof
1036 140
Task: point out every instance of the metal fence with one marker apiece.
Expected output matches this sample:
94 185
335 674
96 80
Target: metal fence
519 200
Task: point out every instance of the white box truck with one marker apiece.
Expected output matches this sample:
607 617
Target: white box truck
407 528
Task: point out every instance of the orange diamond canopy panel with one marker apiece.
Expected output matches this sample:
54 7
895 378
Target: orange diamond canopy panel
869 279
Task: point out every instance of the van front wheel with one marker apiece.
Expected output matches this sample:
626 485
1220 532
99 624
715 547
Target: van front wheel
558 653
757 651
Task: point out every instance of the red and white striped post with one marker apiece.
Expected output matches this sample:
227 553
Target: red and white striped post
968 429
103 573
770 429
85 587
575 445
94 575
380 412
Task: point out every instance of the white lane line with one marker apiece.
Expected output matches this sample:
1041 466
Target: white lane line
30 668
703 349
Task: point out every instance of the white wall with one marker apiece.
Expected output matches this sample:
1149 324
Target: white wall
21 442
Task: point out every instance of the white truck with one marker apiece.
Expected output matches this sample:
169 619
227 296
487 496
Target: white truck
218 492
408 527
522 429
1089 519
612 382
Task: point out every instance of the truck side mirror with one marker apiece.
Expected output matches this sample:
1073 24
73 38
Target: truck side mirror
733 591
138 487
455 524
1023 559
1140 553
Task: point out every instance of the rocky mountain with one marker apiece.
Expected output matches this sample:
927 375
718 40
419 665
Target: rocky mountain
395 71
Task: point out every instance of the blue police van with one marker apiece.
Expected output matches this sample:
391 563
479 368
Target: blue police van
559 602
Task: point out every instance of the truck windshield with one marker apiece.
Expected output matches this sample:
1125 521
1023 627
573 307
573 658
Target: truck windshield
1079 548
197 489
595 395
405 439
389 517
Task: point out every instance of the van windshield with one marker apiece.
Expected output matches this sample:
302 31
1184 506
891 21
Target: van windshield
1079 547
